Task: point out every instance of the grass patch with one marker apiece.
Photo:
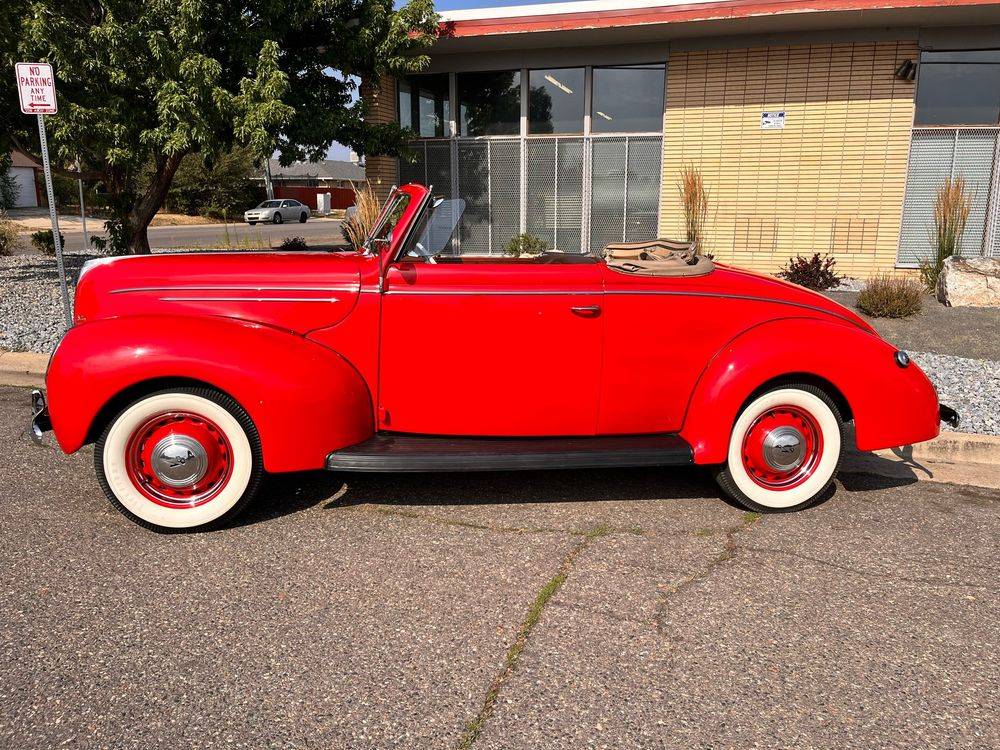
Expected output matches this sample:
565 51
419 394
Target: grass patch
750 517
531 619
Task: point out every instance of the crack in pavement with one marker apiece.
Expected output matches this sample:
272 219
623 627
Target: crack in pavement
873 576
475 726
445 521
730 549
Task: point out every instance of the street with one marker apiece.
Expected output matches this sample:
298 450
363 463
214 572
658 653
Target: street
626 608
316 232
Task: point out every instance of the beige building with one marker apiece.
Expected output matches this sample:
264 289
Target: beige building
817 127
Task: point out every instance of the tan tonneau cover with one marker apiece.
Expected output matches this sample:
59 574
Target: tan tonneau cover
659 257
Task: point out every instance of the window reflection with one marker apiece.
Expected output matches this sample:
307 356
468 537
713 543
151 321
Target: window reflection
628 99
489 103
556 100
958 88
424 104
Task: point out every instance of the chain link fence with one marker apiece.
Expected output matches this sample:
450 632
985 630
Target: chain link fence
576 193
937 154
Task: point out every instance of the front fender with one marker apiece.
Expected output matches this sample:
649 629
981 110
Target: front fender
305 399
891 405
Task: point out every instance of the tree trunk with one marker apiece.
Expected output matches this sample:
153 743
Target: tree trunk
145 208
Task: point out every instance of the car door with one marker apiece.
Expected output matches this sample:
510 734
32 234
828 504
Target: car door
489 346
287 210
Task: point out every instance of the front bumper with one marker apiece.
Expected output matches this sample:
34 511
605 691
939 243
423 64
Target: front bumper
948 415
40 422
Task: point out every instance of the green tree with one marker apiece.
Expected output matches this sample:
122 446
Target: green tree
219 187
141 85
8 188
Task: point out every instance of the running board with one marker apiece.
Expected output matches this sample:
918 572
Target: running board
395 452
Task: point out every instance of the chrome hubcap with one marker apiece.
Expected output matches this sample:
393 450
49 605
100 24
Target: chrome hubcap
784 448
179 461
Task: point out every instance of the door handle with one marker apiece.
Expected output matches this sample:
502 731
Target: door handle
587 311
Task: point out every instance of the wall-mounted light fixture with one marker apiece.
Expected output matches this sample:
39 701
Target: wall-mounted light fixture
906 71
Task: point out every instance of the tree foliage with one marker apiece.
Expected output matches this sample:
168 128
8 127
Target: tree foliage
220 187
141 85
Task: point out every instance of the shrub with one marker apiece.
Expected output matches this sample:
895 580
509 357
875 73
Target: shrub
293 243
694 199
9 189
526 244
8 235
360 224
42 240
951 213
890 297
812 273
214 186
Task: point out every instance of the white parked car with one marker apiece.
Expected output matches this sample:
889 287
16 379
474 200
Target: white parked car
278 211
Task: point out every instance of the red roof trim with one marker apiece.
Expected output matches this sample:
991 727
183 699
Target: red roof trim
678 14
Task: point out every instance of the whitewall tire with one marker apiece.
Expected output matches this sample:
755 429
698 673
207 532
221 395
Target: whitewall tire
183 459
784 450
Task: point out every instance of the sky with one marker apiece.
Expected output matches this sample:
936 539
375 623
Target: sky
462 4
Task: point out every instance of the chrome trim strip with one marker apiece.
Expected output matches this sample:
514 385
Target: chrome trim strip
237 288
620 292
495 293
724 295
248 299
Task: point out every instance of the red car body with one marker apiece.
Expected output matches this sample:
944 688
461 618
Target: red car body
324 350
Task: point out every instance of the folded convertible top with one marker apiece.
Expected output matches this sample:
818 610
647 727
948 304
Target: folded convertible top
659 257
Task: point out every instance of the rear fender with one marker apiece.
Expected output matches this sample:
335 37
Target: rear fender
891 405
305 400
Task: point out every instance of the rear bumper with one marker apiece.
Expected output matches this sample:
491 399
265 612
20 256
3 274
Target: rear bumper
40 422
948 415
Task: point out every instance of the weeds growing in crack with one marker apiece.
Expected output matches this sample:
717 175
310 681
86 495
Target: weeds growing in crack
551 587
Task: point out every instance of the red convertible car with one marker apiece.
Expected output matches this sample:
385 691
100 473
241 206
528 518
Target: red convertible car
195 373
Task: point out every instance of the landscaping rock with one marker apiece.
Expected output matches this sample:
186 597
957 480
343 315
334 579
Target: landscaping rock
970 282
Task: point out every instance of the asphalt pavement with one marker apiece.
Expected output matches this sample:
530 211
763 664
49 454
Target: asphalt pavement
627 608
315 231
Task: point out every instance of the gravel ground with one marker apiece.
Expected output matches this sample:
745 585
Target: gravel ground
31 320
382 611
31 312
970 386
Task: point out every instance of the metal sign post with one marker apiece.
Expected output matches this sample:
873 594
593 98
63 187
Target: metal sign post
83 212
36 87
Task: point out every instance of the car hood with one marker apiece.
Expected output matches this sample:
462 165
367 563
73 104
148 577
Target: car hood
295 291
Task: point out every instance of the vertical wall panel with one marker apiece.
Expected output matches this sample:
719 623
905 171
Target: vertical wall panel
831 180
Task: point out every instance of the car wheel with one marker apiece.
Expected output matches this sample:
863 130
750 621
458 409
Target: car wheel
302 217
184 459
784 450
277 219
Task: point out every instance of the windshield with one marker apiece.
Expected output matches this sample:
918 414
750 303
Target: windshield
391 215
434 231
269 204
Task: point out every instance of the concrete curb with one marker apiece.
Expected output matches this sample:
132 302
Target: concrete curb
23 368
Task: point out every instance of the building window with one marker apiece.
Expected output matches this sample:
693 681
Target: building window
959 88
424 104
628 99
489 103
556 101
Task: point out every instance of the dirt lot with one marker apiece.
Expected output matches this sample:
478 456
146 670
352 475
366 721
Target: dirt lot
629 608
